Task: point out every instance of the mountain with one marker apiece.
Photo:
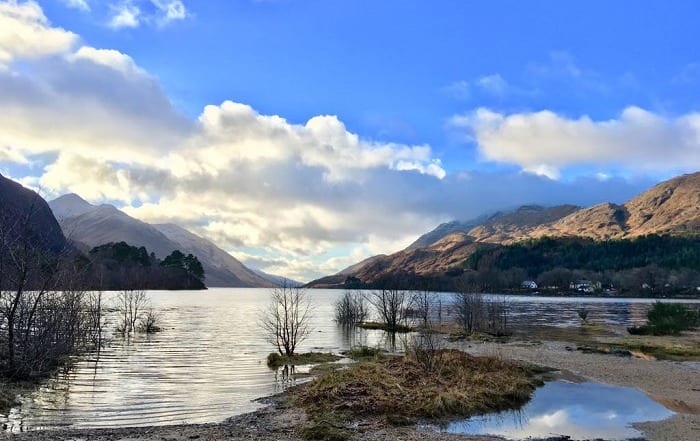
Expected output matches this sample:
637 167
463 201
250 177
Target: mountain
340 278
94 225
669 208
277 280
220 268
24 213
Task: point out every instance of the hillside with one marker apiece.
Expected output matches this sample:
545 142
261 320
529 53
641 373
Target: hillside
25 216
221 268
669 208
95 225
35 253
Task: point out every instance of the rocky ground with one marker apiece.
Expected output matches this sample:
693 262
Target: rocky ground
674 384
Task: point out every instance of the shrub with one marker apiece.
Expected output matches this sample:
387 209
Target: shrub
667 319
351 309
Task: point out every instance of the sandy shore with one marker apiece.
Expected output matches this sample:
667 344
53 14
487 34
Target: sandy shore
674 384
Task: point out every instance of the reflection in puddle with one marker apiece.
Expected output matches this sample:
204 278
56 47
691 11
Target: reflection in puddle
580 411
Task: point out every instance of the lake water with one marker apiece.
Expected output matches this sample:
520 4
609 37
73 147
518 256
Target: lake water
209 362
582 411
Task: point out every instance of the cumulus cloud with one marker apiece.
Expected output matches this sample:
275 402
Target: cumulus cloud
25 33
125 15
545 142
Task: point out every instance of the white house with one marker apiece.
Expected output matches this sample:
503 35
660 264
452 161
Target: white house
529 284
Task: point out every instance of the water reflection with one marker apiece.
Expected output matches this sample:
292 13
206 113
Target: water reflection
580 411
209 363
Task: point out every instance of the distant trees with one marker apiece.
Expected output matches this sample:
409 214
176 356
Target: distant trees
117 266
287 320
188 265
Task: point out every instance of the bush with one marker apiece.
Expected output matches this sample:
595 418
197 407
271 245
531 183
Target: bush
667 319
351 309
362 352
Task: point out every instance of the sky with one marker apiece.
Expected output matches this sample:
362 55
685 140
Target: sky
304 136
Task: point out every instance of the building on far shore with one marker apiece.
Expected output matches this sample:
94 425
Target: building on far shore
529 284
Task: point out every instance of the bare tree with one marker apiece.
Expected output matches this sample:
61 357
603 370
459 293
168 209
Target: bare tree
497 311
131 305
287 320
469 311
351 308
392 307
424 303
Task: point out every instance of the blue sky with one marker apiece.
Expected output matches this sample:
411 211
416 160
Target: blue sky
365 122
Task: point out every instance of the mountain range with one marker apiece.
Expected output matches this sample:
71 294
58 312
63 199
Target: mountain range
93 225
669 208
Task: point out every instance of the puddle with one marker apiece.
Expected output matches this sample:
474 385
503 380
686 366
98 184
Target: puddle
581 411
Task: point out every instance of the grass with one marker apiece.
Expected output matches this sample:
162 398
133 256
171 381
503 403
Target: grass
478 336
382 326
275 360
677 348
399 389
362 353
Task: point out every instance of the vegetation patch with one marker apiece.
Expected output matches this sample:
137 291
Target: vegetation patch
461 335
363 353
323 429
383 327
400 387
275 360
685 348
668 319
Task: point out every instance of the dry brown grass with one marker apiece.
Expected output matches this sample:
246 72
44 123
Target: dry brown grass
463 385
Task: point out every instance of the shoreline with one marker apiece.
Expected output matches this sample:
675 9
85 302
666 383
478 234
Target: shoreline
673 384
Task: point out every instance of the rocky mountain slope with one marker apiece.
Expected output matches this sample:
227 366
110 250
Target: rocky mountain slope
221 268
669 208
25 215
95 225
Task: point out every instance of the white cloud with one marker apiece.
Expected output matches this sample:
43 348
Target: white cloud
110 58
170 10
493 84
82 5
545 142
25 33
125 15
134 13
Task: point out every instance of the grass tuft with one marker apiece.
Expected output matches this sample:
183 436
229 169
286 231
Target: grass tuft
399 388
360 353
382 326
275 360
